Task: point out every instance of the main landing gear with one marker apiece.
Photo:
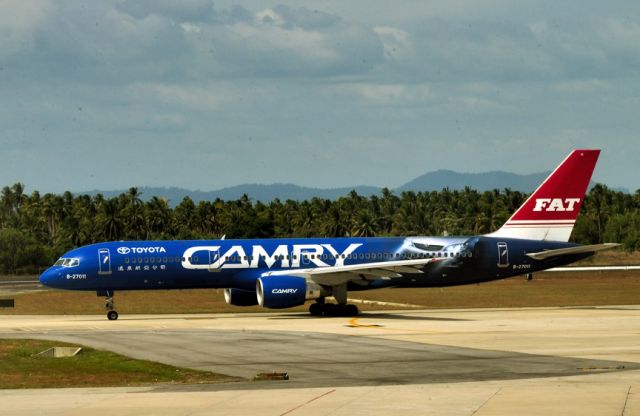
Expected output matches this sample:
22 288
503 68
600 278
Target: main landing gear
333 309
112 314
320 308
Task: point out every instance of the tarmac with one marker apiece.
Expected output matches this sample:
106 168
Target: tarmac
529 361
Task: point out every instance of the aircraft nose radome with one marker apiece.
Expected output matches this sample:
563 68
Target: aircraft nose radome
49 277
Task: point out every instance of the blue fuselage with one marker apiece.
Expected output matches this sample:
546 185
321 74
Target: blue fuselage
143 265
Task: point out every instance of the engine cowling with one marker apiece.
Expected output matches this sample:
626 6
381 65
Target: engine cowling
239 297
278 292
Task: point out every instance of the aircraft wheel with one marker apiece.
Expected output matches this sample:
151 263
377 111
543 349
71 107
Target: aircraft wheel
316 309
351 310
112 315
331 309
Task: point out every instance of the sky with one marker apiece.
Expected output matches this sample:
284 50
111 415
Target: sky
203 95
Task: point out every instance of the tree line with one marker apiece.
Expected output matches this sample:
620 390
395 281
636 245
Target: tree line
36 229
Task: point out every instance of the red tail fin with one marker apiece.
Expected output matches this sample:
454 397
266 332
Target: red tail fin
551 211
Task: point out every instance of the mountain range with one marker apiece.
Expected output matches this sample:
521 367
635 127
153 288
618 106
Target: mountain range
432 181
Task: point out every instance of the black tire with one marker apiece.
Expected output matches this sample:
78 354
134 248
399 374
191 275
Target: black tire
316 309
334 309
112 315
351 310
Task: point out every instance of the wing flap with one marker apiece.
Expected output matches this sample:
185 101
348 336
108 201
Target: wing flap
543 255
334 275
376 273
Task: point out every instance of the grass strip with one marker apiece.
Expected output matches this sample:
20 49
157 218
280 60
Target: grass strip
20 368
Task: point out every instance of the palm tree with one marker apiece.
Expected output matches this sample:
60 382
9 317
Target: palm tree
364 224
159 218
333 224
110 221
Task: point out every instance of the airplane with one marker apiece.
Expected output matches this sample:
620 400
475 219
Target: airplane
287 272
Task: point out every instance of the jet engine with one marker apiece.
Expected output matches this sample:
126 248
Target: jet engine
239 297
285 291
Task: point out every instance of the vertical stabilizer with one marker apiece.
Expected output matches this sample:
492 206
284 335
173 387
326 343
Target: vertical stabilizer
551 211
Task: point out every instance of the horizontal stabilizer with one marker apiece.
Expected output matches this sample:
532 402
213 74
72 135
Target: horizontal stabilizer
543 255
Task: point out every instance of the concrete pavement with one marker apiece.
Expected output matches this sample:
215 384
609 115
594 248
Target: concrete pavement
459 362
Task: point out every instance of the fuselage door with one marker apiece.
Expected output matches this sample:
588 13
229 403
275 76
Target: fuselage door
214 260
503 255
104 261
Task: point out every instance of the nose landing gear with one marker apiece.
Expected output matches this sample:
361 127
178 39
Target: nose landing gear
112 314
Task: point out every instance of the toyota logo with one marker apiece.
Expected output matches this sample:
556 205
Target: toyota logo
124 250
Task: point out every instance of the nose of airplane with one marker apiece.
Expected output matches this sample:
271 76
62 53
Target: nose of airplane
50 277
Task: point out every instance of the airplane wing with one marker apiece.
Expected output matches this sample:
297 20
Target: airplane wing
543 255
335 275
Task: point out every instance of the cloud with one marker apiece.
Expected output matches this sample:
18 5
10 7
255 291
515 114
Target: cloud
620 38
201 97
19 23
257 81
580 86
387 94
285 41
397 43
298 17
180 11
158 41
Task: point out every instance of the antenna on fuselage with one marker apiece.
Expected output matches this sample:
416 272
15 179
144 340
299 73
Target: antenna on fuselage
223 237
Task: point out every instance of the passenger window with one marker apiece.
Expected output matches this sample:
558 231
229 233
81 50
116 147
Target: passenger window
164 259
126 260
139 259
146 259
152 260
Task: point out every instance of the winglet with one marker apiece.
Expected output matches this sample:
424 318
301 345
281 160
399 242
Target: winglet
551 211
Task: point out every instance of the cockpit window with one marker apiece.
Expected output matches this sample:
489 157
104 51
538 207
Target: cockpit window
67 262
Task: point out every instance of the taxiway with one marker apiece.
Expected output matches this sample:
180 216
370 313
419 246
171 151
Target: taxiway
582 360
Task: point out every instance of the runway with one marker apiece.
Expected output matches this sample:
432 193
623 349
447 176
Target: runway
476 361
